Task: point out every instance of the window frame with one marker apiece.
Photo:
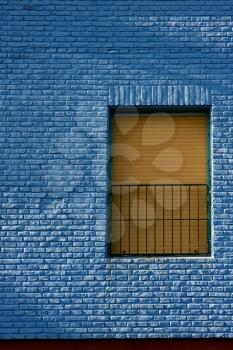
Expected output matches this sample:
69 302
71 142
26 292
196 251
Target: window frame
162 109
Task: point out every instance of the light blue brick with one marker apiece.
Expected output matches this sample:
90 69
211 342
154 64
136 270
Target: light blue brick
56 279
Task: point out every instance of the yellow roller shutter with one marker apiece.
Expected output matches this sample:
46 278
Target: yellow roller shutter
153 149
159 184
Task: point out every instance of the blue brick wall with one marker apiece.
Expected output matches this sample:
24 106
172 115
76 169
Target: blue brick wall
62 63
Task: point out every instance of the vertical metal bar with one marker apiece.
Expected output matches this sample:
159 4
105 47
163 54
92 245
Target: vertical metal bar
110 187
189 219
207 216
198 218
120 219
146 219
110 220
163 219
137 218
155 219
208 187
129 219
180 219
172 218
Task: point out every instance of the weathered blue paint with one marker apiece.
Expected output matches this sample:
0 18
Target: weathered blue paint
63 63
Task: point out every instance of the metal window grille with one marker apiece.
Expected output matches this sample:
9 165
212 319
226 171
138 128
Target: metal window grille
159 219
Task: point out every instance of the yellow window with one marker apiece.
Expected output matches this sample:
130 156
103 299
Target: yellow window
159 184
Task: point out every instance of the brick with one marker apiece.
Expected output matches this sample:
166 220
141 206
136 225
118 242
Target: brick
61 67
